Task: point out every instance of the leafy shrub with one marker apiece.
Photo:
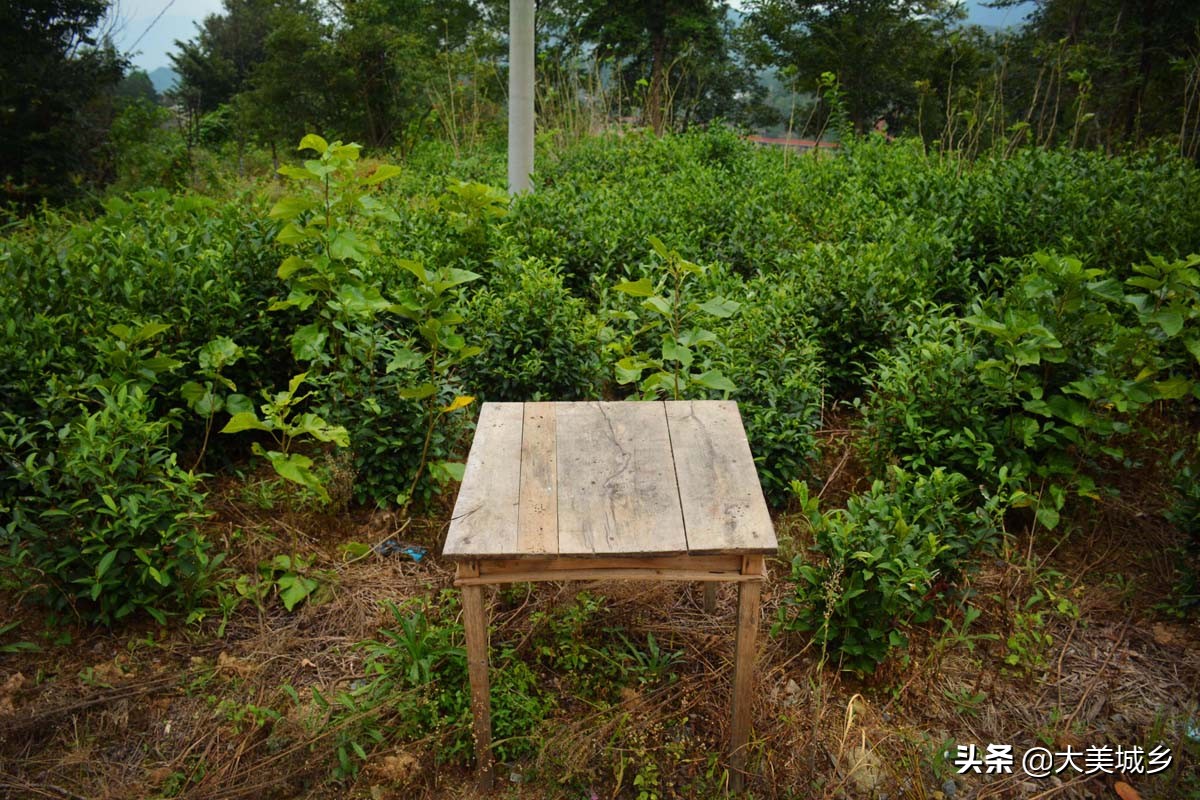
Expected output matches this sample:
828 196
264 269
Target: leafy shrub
881 560
146 151
539 342
771 357
103 520
927 406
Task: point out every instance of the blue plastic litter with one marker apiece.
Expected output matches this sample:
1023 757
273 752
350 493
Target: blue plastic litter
392 547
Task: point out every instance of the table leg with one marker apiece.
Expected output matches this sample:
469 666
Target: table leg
475 625
743 673
710 597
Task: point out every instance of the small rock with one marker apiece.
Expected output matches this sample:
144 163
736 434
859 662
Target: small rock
949 788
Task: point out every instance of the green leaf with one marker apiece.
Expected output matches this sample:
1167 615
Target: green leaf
219 353
313 142
457 277
1193 347
720 307
149 331
346 245
297 468
713 379
361 301
290 234
193 393
450 470
289 208
658 304
160 364
638 288
405 359
659 247
1169 319
238 404
673 351
105 563
418 392
1047 517
290 266
297 173
245 421
316 427
293 589
1172 388
415 267
382 173
308 342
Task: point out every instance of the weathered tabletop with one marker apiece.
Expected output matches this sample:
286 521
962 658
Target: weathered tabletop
598 479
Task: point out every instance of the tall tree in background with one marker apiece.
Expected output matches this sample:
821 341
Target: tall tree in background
1122 55
55 98
877 48
392 47
217 64
650 37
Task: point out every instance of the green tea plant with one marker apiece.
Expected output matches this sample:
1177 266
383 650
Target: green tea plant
674 368
106 523
1072 374
882 561
539 342
927 406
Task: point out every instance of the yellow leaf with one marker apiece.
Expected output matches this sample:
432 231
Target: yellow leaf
462 401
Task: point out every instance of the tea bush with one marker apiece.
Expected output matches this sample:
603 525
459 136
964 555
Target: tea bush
770 355
539 341
882 562
927 406
103 521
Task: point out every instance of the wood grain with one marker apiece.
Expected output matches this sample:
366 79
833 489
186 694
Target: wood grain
537 517
723 506
616 481
484 521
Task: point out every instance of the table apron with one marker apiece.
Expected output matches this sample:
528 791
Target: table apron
718 568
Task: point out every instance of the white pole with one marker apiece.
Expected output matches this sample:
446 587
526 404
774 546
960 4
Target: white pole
520 95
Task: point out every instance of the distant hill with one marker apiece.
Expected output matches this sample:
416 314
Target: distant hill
163 78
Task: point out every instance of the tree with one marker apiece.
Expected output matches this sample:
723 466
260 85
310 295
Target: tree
298 86
55 100
392 48
216 65
1122 54
650 38
136 86
877 48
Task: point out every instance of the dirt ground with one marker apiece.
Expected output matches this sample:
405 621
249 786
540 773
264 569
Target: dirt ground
1075 646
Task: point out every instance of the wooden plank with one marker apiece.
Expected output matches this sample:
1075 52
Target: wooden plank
717 563
537 517
616 482
742 700
475 628
484 521
723 506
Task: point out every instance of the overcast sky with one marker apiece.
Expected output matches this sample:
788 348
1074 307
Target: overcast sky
136 19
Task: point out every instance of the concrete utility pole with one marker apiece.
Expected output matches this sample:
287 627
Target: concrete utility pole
520 95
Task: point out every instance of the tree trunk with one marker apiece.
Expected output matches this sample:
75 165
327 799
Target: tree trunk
653 112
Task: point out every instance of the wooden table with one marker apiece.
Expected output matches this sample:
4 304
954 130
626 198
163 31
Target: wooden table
626 490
